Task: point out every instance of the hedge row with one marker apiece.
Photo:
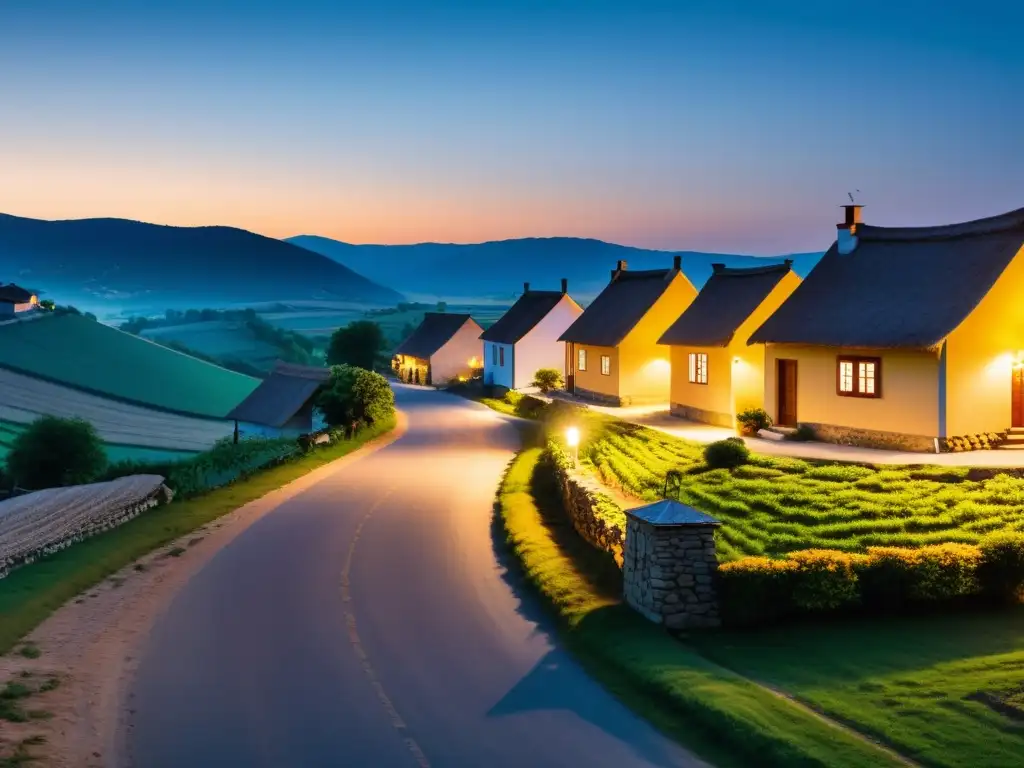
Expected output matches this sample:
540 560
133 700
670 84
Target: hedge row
758 590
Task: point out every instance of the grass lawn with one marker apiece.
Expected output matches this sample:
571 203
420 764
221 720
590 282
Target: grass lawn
947 691
776 504
725 717
30 594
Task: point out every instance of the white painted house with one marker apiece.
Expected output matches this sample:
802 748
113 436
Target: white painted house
526 337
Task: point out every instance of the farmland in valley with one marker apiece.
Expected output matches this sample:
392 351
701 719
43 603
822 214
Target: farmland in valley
221 339
89 356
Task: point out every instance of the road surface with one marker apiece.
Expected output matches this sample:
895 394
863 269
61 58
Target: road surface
368 621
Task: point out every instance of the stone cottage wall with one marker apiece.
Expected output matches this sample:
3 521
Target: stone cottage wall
668 574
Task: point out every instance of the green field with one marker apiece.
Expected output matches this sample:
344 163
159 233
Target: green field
225 339
82 353
775 505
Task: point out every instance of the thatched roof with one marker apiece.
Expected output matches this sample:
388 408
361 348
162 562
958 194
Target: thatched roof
15 294
724 303
530 309
433 333
619 307
281 395
900 287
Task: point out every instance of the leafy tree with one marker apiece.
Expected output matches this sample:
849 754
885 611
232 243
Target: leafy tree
547 379
53 452
48 305
359 343
355 396
442 306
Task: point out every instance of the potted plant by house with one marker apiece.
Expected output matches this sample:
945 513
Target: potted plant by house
753 420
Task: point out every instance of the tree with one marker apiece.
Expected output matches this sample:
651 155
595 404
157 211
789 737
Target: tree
442 306
547 379
359 344
53 452
48 305
355 396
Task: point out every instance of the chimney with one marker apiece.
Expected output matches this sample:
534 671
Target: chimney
565 286
677 262
846 233
717 267
620 267
787 263
526 287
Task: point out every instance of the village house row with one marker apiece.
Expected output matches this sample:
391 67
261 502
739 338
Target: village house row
898 338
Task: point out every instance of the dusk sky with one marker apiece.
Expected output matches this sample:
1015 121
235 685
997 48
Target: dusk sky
736 130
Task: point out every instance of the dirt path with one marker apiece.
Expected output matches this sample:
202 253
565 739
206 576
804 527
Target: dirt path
90 646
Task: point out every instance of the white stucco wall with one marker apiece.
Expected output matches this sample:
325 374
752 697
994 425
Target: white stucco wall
540 348
453 359
494 372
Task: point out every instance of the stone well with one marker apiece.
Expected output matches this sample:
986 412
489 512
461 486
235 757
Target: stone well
669 565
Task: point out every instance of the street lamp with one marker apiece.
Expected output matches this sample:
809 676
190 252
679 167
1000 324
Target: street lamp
572 437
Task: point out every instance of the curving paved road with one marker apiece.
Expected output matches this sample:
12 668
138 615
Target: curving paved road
368 622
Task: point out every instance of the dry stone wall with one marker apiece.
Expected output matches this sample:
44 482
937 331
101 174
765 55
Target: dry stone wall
590 511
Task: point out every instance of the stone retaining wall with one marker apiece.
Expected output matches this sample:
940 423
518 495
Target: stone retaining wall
582 498
598 397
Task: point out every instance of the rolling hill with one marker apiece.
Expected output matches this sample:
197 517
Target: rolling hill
129 264
497 270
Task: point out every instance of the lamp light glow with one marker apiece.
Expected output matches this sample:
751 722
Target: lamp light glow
572 437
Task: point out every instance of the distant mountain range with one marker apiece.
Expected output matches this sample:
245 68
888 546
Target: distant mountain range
497 270
129 264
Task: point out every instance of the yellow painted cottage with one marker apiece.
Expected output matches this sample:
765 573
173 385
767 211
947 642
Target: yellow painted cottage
715 373
901 337
612 349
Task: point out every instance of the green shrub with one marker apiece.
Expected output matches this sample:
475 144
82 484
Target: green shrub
1001 570
559 414
53 452
802 433
754 419
824 579
756 590
512 397
355 396
529 407
897 577
547 379
726 454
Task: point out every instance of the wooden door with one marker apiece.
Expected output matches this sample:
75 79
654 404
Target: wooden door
786 382
570 367
1017 397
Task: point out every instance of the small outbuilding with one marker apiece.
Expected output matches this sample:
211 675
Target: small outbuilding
283 405
15 299
612 349
526 338
715 373
443 347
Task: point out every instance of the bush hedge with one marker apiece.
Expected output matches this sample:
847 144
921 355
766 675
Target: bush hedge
726 454
758 590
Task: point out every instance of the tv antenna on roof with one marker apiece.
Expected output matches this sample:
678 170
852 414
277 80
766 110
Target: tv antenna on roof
850 195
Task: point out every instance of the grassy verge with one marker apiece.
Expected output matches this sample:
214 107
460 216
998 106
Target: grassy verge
718 712
31 593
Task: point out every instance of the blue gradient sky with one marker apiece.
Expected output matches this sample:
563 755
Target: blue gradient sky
735 127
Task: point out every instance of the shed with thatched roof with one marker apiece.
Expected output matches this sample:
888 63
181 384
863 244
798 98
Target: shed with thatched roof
902 336
715 373
612 348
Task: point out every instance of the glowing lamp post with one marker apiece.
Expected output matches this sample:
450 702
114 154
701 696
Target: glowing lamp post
572 437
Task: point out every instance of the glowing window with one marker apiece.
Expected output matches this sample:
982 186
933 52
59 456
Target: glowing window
582 362
859 376
606 365
698 368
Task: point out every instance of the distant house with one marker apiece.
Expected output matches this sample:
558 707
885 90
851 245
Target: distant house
283 403
715 373
443 347
613 352
15 299
526 338
902 335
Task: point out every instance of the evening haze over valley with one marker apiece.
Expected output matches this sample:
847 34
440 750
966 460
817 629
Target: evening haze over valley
407 384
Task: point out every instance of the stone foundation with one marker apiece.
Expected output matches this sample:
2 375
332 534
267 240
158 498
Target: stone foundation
870 438
669 574
598 397
692 413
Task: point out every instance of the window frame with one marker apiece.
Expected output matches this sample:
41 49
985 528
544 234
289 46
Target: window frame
581 359
695 370
494 354
855 361
606 365
501 357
